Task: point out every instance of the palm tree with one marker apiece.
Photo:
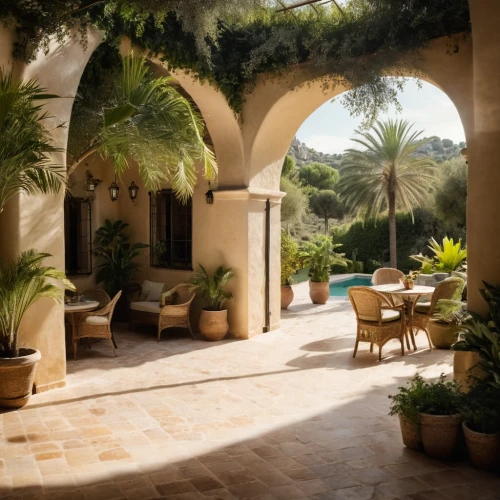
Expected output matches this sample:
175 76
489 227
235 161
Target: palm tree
152 123
387 175
25 147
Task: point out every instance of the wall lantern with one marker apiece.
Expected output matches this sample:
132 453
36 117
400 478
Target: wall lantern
209 196
133 190
92 182
113 189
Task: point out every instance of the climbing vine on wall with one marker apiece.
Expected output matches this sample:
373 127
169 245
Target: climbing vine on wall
230 43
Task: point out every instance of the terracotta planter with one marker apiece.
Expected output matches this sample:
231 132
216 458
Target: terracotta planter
407 284
410 432
439 434
464 363
319 292
484 449
442 335
286 296
16 378
213 324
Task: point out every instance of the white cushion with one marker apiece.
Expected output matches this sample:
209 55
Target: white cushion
96 320
150 307
153 289
387 316
423 307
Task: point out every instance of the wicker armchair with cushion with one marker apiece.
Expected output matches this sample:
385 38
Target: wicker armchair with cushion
144 304
450 288
95 324
175 312
378 321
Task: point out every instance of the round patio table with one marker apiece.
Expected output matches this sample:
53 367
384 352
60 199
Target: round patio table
78 307
409 298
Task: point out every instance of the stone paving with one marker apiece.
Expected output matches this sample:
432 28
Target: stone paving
286 415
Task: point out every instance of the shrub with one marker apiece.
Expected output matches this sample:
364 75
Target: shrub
481 408
320 256
372 265
339 268
289 258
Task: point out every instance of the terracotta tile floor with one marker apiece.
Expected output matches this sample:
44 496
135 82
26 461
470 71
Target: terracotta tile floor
286 415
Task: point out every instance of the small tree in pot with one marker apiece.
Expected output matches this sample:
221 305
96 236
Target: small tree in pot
320 256
22 283
213 319
290 263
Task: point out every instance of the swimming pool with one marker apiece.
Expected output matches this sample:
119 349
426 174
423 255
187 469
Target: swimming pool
339 288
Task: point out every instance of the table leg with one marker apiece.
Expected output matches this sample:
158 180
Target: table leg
409 326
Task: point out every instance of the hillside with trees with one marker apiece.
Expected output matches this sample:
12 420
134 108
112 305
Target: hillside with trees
315 204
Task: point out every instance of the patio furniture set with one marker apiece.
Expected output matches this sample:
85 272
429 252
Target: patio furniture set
387 310
153 304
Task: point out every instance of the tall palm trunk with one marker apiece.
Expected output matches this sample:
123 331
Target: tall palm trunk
392 229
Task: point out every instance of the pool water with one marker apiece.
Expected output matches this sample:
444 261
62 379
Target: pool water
339 289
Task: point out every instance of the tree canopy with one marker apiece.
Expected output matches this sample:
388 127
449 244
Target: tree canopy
325 204
319 176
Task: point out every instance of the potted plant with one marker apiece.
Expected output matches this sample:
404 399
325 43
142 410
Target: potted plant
429 415
409 279
446 323
405 405
290 263
440 417
213 319
22 283
319 256
481 410
117 266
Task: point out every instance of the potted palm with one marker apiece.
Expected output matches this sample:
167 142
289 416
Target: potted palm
481 410
320 256
213 319
290 263
22 283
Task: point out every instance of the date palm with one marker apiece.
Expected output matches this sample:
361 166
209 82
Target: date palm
150 122
25 146
388 174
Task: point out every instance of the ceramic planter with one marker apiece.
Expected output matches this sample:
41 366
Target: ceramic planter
410 432
439 434
286 296
443 335
16 378
319 292
484 449
213 324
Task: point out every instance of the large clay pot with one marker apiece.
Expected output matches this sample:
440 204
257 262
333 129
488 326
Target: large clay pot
410 432
439 434
443 335
213 324
484 449
286 296
16 378
319 292
464 364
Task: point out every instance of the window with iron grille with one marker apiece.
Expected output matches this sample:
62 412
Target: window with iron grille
77 236
170 231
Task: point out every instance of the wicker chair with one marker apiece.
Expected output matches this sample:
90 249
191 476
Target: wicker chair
450 288
386 276
95 324
97 294
176 315
378 321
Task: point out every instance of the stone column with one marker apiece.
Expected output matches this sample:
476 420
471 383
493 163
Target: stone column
483 204
233 235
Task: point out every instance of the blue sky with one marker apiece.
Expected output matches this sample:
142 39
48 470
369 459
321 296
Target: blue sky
330 127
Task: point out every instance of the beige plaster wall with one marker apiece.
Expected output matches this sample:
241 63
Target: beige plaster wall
36 221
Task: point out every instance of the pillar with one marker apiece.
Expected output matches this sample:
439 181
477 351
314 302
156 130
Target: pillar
483 206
